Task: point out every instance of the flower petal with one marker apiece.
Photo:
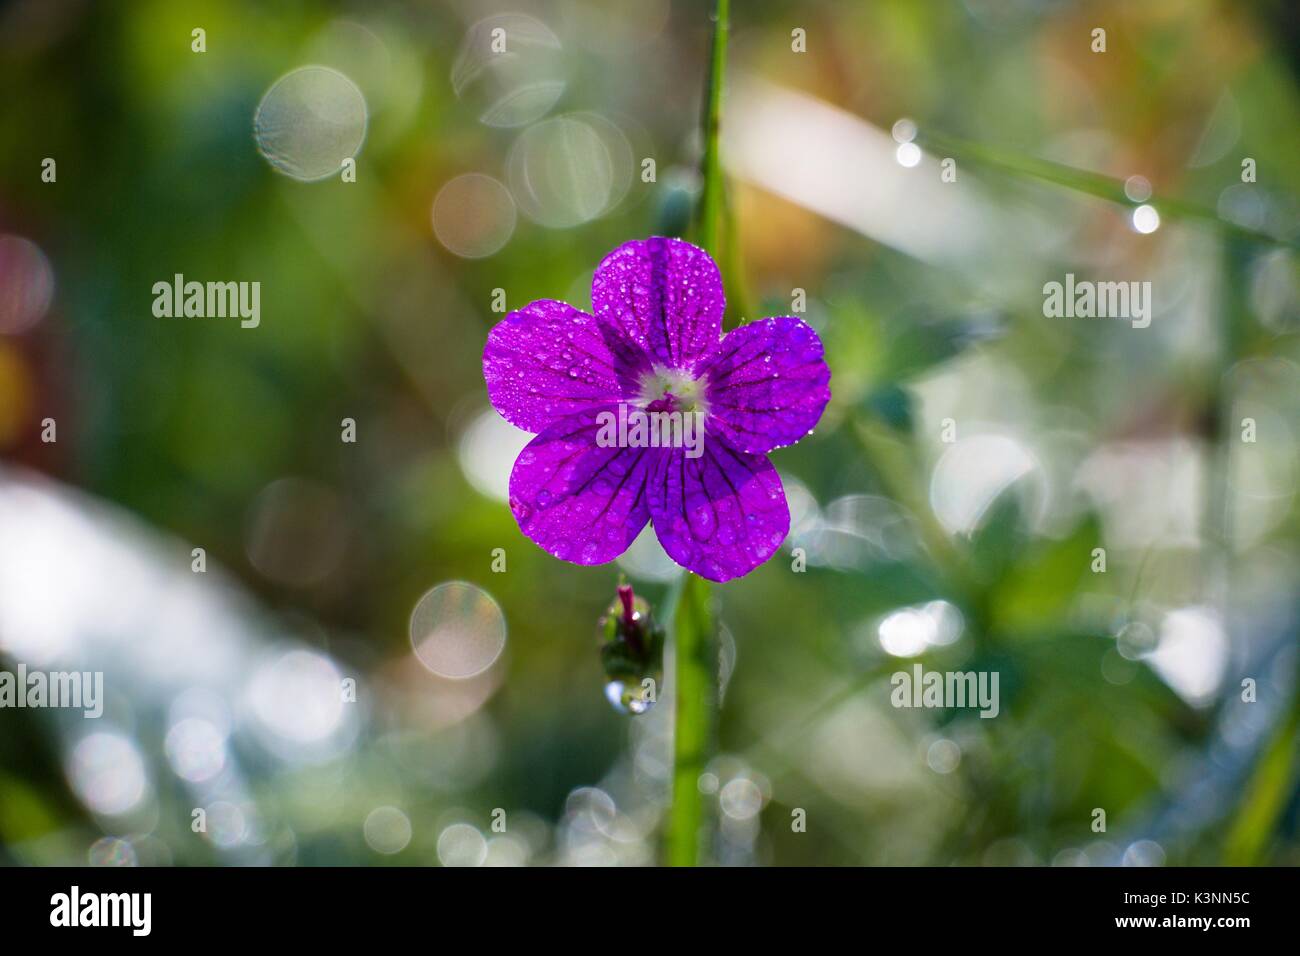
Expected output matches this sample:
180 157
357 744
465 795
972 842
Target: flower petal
579 501
720 515
665 295
548 360
768 384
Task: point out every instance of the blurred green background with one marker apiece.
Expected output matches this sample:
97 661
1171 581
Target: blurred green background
476 171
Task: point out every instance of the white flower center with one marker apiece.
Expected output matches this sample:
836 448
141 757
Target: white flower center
685 392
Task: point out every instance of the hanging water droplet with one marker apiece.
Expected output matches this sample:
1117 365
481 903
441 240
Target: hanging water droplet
631 653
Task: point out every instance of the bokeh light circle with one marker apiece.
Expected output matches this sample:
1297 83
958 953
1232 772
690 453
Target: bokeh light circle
196 749
457 630
309 122
26 284
111 851
1275 290
740 798
227 824
461 845
297 698
474 215
387 830
107 772
361 55
904 130
908 155
1137 188
943 756
510 70
297 533
1144 853
561 172
622 163
1145 219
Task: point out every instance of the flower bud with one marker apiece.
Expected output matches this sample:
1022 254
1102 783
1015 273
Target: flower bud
631 652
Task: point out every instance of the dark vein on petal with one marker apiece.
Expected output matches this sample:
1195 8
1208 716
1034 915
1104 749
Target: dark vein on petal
613 497
735 493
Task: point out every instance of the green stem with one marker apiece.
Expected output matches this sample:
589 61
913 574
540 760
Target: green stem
694 626
708 225
696 696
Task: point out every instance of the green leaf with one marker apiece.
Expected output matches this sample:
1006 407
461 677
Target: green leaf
915 344
1035 594
1000 536
1267 793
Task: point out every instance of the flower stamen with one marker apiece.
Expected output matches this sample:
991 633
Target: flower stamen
670 390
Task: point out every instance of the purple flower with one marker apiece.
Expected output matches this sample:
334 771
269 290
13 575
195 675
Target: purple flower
654 345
